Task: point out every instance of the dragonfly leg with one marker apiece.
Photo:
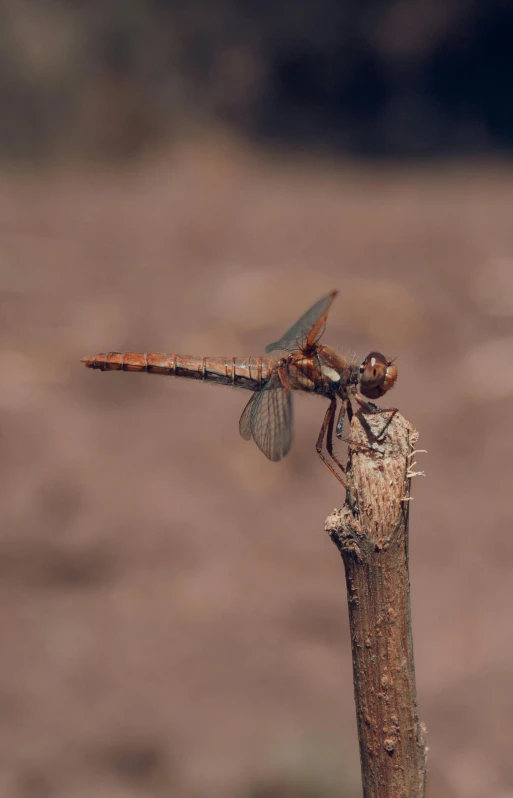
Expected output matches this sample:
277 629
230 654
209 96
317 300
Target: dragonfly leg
327 426
329 434
375 410
346 406
340 419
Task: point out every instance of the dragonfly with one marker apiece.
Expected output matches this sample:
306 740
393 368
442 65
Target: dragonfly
306 365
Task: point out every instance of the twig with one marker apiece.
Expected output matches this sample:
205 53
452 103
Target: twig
371 533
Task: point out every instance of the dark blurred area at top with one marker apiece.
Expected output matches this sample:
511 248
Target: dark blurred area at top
107 79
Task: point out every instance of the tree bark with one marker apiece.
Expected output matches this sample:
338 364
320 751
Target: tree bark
371 533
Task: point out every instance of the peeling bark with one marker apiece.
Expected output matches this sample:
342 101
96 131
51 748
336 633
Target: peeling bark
371 533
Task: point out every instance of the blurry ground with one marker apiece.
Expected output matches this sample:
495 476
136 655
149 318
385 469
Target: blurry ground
173 616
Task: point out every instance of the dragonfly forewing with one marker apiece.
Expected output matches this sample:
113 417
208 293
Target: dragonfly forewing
307 330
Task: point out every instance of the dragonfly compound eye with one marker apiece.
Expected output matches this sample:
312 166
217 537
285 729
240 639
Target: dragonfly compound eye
377 375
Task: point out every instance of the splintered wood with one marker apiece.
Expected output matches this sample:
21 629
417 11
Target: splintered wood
371 533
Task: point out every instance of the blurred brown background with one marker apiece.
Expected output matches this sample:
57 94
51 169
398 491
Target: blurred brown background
191 177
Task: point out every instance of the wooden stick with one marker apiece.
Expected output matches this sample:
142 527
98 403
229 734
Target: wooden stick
371 533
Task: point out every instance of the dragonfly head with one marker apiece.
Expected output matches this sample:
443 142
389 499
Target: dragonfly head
377 375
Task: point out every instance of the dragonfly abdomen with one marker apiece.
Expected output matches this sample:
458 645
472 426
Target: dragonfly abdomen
249 372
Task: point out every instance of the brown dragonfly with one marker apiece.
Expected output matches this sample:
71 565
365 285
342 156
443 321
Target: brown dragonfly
308 366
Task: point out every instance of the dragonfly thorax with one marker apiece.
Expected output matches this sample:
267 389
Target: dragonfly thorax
324 372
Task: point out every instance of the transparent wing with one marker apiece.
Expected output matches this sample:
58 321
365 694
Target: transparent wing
245 419
268 419
308 330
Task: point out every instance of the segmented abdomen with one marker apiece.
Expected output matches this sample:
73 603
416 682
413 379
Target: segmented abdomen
248 372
